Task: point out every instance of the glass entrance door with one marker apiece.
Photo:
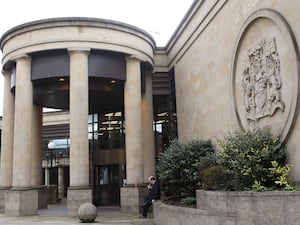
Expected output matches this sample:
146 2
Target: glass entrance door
107 185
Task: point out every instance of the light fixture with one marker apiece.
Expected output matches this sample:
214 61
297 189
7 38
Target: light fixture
61 79
113 81
51 145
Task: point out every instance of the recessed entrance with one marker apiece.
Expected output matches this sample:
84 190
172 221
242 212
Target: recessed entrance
107 185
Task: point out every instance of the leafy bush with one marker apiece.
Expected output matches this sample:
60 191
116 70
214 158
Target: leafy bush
254 159
178 166
188 201
215 178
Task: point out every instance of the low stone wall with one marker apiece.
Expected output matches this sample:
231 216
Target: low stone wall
132 198
172 215
233 208
254 208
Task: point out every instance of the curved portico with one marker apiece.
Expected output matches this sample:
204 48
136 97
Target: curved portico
83 65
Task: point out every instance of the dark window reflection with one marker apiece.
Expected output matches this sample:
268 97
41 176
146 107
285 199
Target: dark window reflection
106 131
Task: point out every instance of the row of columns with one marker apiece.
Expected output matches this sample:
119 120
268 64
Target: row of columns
60 182
22 132
21 156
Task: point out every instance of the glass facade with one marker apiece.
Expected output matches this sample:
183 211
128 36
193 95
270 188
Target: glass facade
164 124
106 135
106 131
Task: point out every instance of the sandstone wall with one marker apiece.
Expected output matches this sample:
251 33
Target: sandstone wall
237 65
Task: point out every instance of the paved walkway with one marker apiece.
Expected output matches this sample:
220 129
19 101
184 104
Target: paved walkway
57 214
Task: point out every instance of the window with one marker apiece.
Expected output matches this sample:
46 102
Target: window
106 131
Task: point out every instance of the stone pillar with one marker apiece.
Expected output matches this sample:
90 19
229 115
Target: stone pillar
133 122
130 195
7 138
22 200
51 189
61 184
23 124
47 176
36 140
79 191
36 156
147 127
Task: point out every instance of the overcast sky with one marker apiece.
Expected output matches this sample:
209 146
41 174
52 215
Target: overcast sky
158 17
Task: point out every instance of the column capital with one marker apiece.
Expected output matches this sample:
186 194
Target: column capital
21 56
5 72
150 72
79 49
133 58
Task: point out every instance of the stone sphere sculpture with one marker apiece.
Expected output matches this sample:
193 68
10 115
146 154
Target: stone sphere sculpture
87 212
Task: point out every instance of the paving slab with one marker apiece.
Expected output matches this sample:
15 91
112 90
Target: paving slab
57 214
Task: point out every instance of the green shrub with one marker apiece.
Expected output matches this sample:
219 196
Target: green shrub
188 201
215 178
178 166
254 159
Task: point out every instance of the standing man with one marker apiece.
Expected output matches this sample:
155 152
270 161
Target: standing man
154 194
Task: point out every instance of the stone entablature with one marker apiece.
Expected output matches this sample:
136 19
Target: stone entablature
77 32
56 117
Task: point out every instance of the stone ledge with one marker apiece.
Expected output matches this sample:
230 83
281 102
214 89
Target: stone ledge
173 215
272 207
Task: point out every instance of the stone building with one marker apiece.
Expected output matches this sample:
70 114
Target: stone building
228 64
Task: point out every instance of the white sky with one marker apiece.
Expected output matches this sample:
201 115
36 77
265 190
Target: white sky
158 17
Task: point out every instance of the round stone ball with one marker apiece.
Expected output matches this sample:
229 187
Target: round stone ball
87 212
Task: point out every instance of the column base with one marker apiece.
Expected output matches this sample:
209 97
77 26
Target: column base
3 193
76 197
132 198
42 197
52 194
21 202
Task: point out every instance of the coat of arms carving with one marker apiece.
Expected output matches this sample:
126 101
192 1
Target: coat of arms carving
261 82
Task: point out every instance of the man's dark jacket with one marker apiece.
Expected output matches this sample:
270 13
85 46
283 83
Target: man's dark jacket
154 192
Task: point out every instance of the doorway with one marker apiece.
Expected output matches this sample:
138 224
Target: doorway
107 185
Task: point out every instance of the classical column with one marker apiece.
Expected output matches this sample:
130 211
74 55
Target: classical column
79 190
132 195
23 124
22 199
7 134
47 176
61 184
147 127
133 122
36 154
7 138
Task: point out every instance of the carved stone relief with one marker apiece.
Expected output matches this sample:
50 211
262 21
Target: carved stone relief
261 82
265 74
